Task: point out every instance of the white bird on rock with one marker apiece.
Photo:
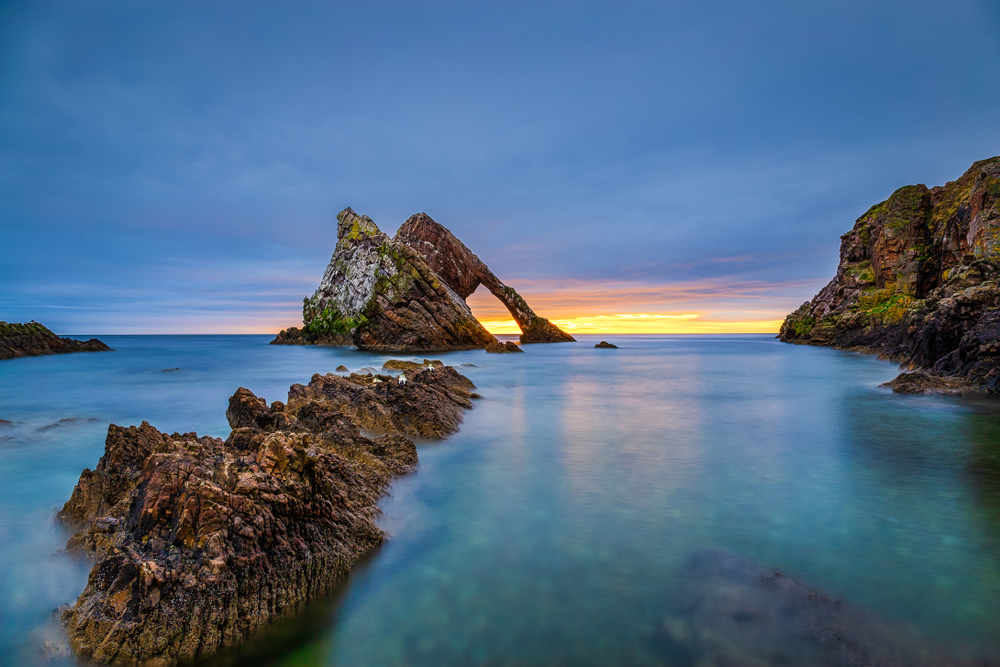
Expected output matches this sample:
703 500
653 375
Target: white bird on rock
402 379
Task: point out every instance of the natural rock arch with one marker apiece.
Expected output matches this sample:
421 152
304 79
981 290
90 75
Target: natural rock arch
463 272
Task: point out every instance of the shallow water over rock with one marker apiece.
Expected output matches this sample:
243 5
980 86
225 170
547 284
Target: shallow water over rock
587 501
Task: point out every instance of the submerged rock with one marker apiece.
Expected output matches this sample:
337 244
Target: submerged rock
505 347
729 610
606 345
200 542
918 283
32 340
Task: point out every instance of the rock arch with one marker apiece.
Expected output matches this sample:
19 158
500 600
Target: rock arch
463 272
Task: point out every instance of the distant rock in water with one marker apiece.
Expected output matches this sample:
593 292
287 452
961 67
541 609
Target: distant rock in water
918 283
169 370
198 543
402 365
503 348
343 369
33 340
606 345
464 272
406 294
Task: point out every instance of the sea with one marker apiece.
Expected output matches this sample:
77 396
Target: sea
597 507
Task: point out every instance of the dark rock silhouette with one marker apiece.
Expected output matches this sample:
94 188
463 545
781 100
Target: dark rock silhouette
32 340
917 283
606 345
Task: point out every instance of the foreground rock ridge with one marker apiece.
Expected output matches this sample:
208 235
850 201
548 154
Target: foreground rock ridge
32 340
918 283
406 294
199 542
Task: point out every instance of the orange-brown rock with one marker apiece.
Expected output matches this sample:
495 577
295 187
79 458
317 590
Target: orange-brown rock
199 543
463 271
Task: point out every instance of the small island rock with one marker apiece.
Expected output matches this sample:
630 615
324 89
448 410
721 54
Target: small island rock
606 345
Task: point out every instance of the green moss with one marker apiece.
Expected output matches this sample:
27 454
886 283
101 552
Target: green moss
884 305
26 329
804 326
330 322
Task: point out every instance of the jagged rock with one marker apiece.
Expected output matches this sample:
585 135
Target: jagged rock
606 345
402 365
503 348
199 543
343 369
917 273
463 271
32 340
383 293
296 336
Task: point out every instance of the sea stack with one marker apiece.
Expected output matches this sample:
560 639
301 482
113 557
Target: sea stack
407 294
918 282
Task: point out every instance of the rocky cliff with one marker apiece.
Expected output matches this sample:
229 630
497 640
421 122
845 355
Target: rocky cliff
918 283
198 542
406 293
33 339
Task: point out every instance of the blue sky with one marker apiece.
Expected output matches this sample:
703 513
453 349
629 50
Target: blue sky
177 167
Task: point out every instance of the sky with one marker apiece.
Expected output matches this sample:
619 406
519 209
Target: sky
177 167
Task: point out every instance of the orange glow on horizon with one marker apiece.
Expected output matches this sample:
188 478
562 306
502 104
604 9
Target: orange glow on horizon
643 323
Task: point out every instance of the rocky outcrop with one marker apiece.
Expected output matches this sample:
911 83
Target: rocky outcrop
32 340
199 542
385 296
406 294
296 336
504 348
918 283
464 272
605 345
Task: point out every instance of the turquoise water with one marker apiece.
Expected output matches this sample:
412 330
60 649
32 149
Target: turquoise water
553 527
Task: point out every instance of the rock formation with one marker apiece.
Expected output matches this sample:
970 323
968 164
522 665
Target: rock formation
199 542
729 610
296 336
406 294
32 340
464 272
917 282
606 345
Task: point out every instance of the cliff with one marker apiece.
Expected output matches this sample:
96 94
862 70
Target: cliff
33 339
918 283
406 294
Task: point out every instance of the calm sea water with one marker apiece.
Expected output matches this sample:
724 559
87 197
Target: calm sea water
553 528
